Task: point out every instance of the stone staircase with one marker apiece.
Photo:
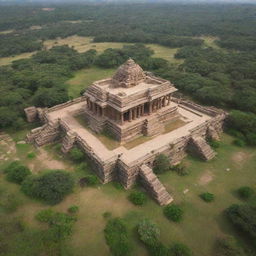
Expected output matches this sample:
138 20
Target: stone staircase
44 134
68 142
153 126
200 147
153 185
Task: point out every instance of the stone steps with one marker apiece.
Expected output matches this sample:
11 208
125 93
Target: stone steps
154 186
47 135
153 126
201 147
68 142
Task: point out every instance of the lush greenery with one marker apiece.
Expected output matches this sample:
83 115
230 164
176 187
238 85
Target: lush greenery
148 232
243 218
227 246
92 180
137 198
60 224
245 192
179 249
207 197
16 172
116 235
173 212
161 164
51 186
76 154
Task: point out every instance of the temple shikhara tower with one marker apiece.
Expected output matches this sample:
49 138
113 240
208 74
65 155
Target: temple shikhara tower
142 115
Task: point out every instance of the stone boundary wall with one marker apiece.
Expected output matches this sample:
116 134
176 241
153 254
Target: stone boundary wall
176 151
67 104
211 111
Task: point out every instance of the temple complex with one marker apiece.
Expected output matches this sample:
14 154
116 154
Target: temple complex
135 108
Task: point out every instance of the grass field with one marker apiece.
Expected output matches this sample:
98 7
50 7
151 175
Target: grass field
82 44
209 41
202 224
9 60
85 77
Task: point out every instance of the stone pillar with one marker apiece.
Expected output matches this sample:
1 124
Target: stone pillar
143 109
134 113
160 103
164 101
138 111
122 118
150 107
93 107
130 115
169 99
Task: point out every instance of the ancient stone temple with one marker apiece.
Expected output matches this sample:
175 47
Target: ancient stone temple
130 104
145 118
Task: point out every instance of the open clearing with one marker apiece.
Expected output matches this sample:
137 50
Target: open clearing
9 60
202 224
85 77
82 44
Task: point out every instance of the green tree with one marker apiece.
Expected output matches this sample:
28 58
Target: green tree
148 232
50 187
161 164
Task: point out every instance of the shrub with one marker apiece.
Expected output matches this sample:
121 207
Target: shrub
73 209
161 164
148 232
179 249
76 154
50 187
180 169
31 155
158 249
117 185
214 143
245 192
16 172
243 218
137 198
173 212
239 142
9 202
60 224
116 236
207 197
92 180
227 246
106 215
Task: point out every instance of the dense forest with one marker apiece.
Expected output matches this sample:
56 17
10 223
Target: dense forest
222 76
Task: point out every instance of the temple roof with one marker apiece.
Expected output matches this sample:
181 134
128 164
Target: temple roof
128 75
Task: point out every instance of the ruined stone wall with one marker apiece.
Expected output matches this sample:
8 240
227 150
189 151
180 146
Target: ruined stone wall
176 151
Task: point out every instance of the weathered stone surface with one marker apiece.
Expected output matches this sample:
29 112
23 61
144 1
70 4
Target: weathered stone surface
199 146
31 114
153 185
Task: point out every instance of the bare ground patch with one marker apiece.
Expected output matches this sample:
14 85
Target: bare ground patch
206 178
48 161
7 146
241 157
